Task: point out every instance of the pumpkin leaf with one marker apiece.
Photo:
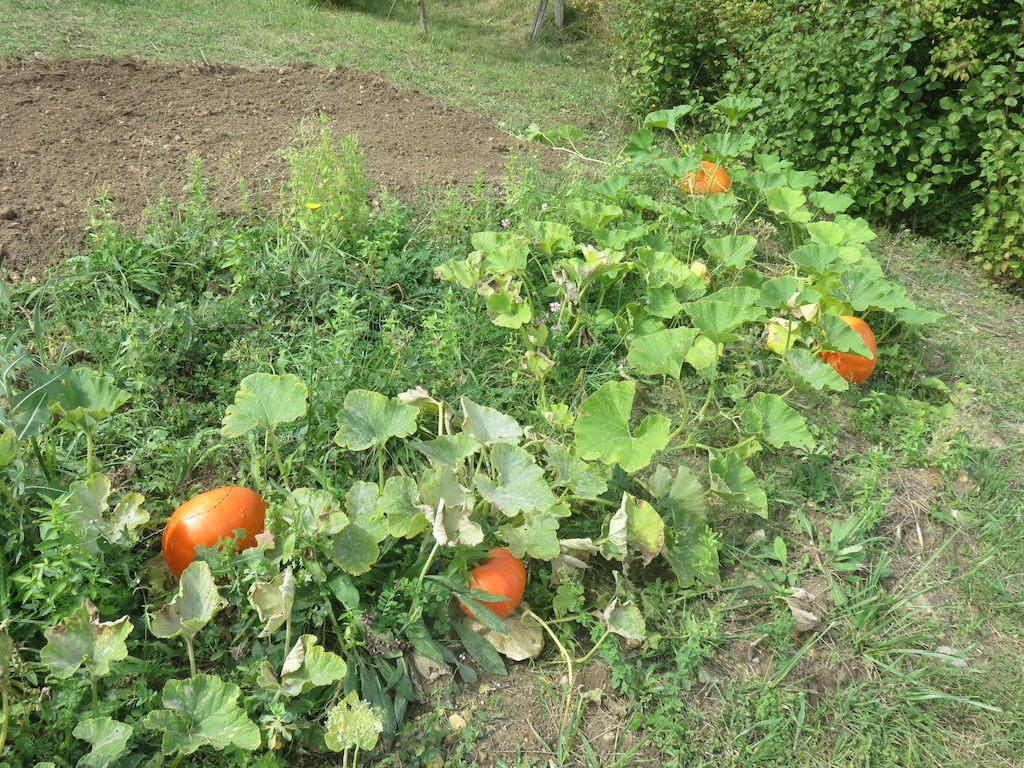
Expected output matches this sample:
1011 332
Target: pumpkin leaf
645 530
662 352
716 320
85 397
520 487
769 418
815 257
588 481
787 203
831 203
667 118
731 251
691 547
109 740
552 238
273 600
368 419
83 640
602 429
508 308
202 711
625 620
841 337
488 425
537 536
309 666
809 370
195 604
450 450
355 548
399 503
734 482
263 401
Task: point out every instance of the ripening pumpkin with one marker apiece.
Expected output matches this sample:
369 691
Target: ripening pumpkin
502 573
208 518
710 180
854 368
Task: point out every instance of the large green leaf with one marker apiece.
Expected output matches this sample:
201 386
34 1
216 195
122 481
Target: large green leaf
488 425
691 548
109 740
309 666
196 602
731 251
661 353
401 507
734 482
202 711
809 370
772 420
82 639
355 548
263 401
520 486
450 450
588 481
787 203
85 397
716 319
537 536
602 429
368 419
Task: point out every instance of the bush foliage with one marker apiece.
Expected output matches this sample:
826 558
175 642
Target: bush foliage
911 107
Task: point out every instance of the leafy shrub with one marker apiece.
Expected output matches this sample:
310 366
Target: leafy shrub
911 108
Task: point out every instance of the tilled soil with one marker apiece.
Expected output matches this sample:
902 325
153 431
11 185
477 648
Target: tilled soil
130 129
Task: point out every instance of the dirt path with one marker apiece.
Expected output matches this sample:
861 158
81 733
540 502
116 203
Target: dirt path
70 128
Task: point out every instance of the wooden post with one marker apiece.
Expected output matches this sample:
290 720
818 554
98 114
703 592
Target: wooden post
539 18
423 15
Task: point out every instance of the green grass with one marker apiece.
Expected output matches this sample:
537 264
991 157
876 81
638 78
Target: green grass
473 56
906 523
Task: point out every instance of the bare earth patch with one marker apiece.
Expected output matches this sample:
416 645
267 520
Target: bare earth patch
70 129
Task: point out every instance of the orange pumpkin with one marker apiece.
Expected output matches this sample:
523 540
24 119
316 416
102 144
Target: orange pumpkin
709 180
502 573
854 368
209 518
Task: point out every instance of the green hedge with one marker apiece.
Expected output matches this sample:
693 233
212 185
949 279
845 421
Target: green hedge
909 106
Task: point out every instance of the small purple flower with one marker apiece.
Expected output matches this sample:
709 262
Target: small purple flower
505 222
556 306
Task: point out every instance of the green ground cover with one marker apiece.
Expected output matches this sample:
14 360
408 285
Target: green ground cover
784 569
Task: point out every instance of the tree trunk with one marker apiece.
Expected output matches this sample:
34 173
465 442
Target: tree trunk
559 13
423 15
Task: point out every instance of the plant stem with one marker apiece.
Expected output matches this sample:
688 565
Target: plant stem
88 452
593 650
191 656
430 559
568 665
277 457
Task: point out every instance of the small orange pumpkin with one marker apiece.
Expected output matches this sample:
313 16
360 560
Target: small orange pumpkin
208 518
710 180
854 368
502 573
